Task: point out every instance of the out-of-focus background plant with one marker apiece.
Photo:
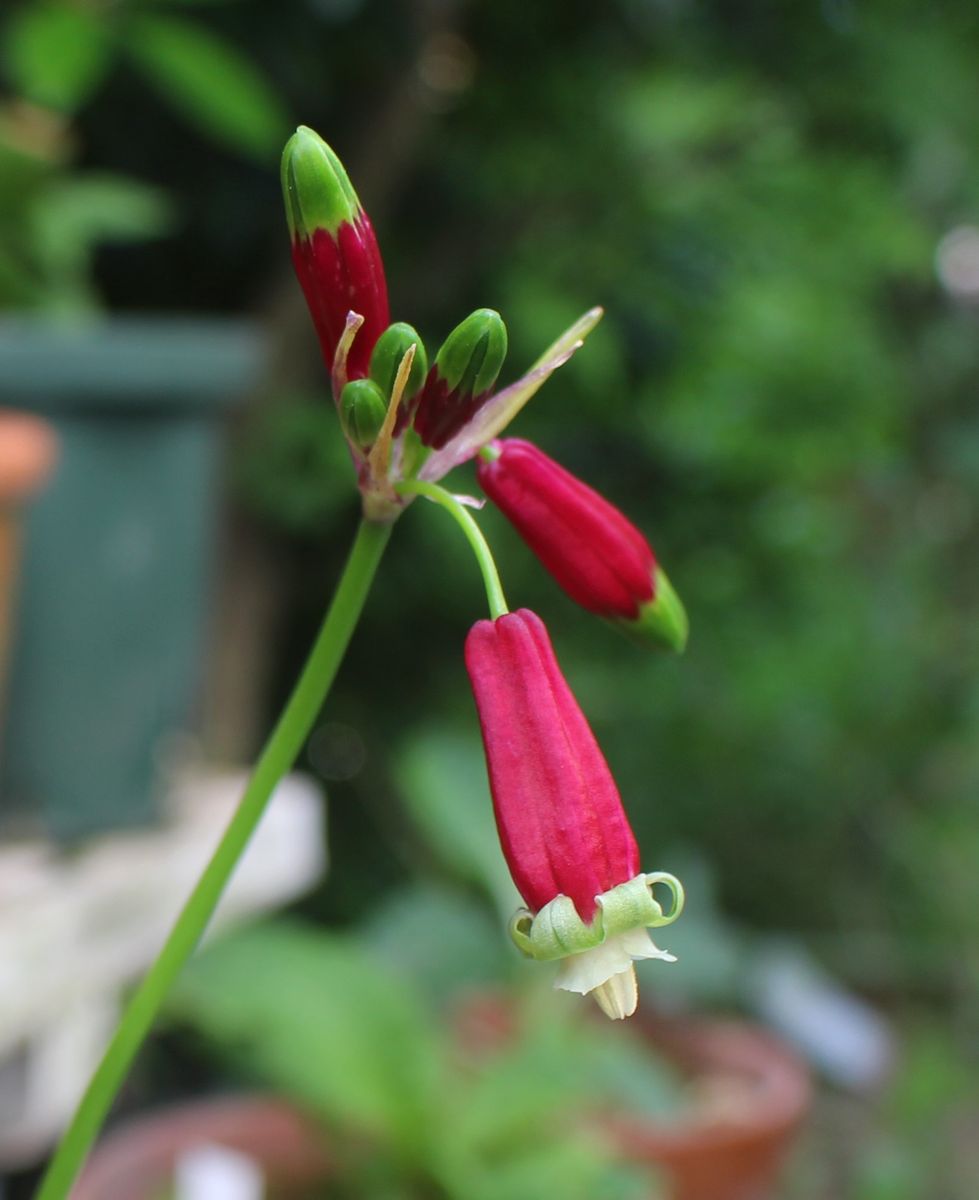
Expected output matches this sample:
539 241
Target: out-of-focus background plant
58 56
779 208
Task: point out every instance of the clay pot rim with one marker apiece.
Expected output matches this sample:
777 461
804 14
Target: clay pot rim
138 1153
778 1091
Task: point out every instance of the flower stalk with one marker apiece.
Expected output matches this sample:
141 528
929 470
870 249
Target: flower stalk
474 535
278 756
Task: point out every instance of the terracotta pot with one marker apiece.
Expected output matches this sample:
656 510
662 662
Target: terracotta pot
137 1160
751 1094
28 449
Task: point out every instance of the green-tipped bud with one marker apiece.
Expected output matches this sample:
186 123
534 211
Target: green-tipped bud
317 190
662 620
362 411
386 359
462 378
472 355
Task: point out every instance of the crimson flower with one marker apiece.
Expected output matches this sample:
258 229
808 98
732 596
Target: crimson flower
592 550
563 831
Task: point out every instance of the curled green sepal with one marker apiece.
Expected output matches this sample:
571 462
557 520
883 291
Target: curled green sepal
557 931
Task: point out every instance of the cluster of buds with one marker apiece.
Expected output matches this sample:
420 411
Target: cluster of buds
563 830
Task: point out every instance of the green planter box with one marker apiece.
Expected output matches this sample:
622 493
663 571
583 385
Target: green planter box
117 561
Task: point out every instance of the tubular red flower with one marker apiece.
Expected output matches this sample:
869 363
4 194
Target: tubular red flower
590 548
561 822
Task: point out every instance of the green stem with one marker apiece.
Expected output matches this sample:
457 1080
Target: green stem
484 556
280 753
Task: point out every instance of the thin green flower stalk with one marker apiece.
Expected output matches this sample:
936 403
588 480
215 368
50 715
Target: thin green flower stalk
278 756
463 518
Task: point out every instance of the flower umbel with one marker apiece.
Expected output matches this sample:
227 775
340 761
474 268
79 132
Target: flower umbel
434 419
564 833
591 549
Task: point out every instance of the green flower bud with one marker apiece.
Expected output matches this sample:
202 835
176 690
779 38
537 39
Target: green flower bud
388 354
472 355
318 193
362 410
462 377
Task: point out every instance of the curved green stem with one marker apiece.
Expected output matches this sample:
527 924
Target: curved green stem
484 556
280 753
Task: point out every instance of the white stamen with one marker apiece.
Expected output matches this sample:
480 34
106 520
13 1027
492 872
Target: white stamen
617 997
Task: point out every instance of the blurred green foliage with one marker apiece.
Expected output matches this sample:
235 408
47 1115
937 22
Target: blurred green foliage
55 55
917 1141
414 1107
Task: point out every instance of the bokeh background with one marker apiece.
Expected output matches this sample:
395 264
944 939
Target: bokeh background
778 206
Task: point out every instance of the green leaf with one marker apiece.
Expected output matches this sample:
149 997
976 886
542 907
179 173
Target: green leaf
55 54
77 213
74 215
19 287
511 1131
211 83
444 786
312 1015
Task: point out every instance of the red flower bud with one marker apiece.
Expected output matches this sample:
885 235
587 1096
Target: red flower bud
334 249
593 551
565 836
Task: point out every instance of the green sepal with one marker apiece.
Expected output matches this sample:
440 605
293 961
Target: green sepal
389 350
318 193
557 931
662 622
362 411
472 355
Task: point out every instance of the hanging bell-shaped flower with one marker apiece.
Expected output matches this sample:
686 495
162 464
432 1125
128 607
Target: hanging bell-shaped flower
563 830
